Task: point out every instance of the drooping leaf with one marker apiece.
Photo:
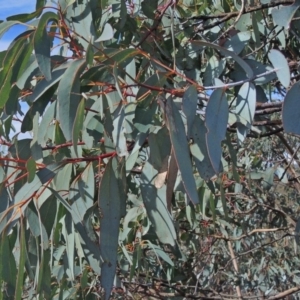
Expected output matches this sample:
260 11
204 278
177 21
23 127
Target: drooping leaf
216 123
42 44
31 169
22 260
8 263
82 192
245 108
189 102
78 123
69 96
181 149
110 202
118 133
156 206
199 150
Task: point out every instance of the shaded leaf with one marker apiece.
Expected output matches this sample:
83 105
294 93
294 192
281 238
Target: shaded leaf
189 106
199 150
291 110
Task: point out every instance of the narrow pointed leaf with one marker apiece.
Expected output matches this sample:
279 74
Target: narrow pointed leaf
31 169
42 44
199 150
156 206
69 97
181 150
216 123
6 26
20 276
246 103
110 199
78 123
189 102
8 71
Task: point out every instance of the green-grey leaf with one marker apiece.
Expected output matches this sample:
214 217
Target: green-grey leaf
106 34
42 44
239 60
282 16
291 110
19 283
156 206
216 123
181 149
69 96
110 202
245 108
189 106
238 42
280 63
199 150
78 123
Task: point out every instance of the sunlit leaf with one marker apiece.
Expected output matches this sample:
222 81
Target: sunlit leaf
282 16
279 62
69 97
106 34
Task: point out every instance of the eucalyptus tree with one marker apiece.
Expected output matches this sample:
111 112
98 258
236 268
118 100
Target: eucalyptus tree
160 157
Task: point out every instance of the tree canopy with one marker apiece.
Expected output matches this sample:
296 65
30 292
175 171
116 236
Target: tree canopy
160 158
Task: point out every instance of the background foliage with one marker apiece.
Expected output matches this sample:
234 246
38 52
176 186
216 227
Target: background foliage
161 152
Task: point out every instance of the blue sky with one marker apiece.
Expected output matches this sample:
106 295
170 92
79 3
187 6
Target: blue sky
13 7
